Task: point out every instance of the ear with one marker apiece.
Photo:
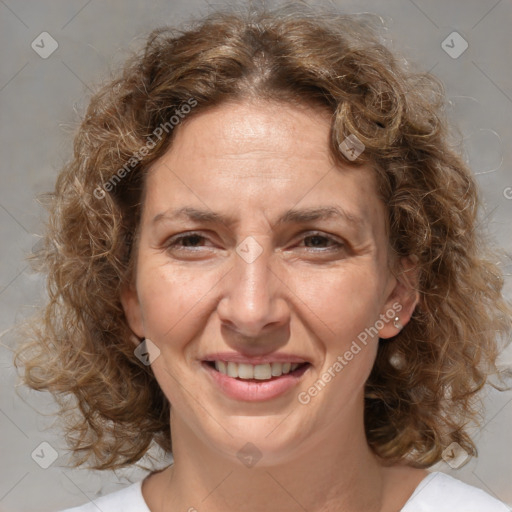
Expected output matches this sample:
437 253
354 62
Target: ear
403 298
132 309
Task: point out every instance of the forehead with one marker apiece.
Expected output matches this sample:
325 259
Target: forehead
257 128
259 156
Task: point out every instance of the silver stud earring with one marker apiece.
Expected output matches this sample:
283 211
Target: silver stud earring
397 324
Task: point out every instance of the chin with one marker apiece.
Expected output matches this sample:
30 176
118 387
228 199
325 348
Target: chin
264 441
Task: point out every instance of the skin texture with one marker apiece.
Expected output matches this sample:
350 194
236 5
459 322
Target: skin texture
309 296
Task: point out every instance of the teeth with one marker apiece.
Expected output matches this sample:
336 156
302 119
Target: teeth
258 371
262 371
246 371
277 369
232 370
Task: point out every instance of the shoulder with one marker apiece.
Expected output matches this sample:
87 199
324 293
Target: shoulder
439 492
129 499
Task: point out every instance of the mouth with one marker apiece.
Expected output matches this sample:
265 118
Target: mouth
256 372
255 382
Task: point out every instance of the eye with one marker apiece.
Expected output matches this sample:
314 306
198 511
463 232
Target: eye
186 241
322 242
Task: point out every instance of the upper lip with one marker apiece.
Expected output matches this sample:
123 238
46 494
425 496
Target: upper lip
237 357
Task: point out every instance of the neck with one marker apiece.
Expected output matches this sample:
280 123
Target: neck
334 470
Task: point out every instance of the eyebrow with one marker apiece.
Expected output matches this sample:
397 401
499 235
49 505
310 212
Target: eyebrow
297 216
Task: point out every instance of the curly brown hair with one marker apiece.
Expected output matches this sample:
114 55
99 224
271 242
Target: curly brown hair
80 347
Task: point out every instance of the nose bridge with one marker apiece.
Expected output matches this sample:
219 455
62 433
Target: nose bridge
252 298
252 281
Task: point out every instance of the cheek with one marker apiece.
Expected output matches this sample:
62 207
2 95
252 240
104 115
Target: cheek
343 307
342 302
172 300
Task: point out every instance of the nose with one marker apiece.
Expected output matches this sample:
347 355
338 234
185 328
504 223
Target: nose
254 300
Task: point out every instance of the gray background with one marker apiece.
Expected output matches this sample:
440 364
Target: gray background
39 101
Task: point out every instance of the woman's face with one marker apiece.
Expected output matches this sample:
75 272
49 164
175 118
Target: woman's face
260 255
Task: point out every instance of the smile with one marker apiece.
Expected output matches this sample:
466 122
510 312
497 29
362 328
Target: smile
254 371
258 382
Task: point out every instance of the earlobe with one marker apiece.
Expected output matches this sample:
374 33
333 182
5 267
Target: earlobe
132 309
403 299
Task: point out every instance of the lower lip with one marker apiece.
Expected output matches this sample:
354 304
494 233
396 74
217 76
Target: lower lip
255 391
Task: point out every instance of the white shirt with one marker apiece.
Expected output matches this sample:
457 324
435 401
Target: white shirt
437 492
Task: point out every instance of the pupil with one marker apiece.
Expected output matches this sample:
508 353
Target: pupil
316 240
192 240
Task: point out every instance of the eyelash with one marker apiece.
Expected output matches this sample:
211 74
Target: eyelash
174 241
